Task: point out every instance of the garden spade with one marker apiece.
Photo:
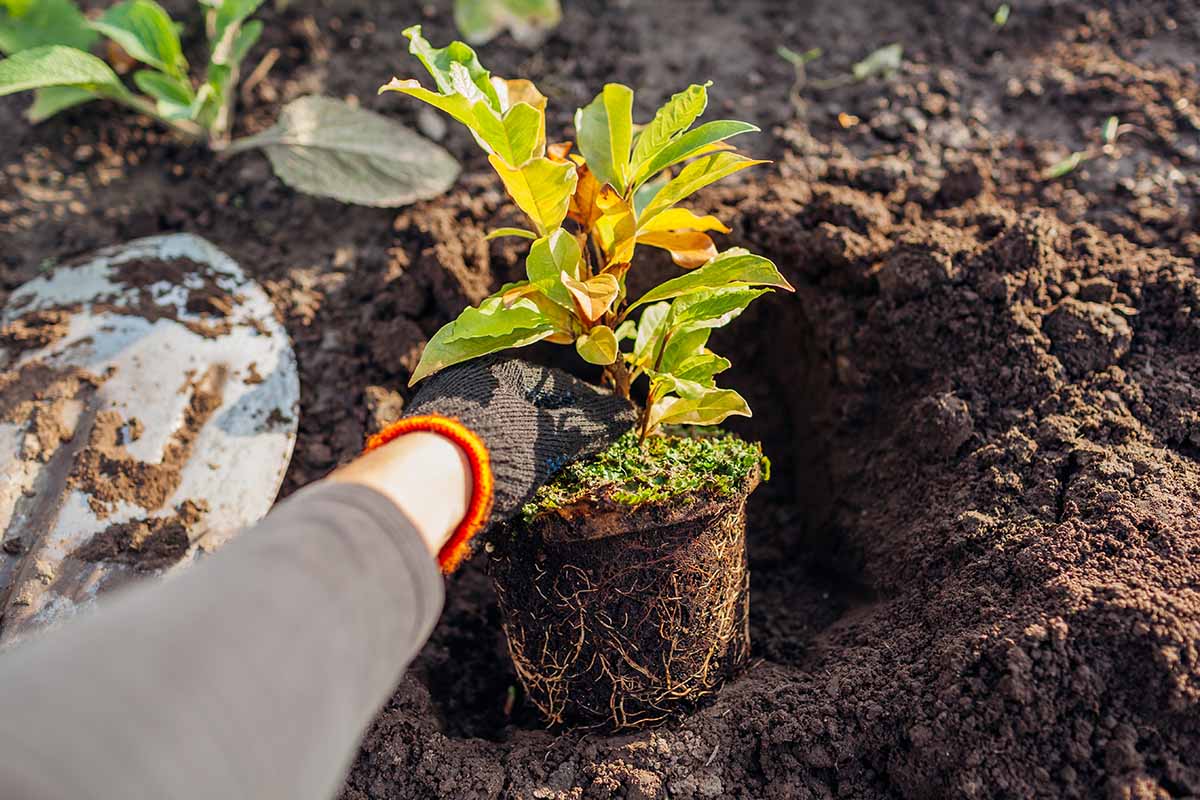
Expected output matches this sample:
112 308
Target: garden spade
148 408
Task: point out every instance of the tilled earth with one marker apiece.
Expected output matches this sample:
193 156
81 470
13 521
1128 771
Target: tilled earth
976 572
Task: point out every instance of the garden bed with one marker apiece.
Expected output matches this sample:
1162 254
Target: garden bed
974 570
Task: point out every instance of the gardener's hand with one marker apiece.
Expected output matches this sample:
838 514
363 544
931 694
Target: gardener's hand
515 423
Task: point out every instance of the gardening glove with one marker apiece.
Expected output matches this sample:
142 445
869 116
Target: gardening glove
518 424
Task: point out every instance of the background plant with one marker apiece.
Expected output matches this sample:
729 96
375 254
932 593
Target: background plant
320 145
589 211
527 20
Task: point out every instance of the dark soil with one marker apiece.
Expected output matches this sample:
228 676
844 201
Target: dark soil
975 572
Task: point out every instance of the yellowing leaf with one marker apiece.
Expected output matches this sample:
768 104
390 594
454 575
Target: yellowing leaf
682 219
559 151
689 249
541 188
597 346
521 232
695 176
583 208
616 227
513 92
605 131
593 297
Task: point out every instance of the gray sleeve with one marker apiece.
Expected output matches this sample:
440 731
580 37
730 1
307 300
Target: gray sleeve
252 676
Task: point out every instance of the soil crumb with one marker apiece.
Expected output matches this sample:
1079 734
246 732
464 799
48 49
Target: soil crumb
108 473
149 543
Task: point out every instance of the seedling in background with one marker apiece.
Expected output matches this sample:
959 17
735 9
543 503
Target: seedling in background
589 211
879 63
321 146
527 20
1000 18
1109 134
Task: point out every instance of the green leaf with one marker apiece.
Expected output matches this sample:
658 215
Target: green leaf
246 38
605 131
650 329
479 331
48 102
712 309
528 20
548 258
798 60
675 116
55 65
682 345
174 96
626 330
710 407
521 232
1000 18
691 144
229 16
597 346
439 62
542 188
702 367
883 61
695 176
1111 126
328 148
37 23
146 32
1066 166
734 267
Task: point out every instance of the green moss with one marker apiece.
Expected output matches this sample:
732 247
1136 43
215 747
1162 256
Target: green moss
686 460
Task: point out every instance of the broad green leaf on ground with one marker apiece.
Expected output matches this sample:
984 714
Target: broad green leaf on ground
711 408
593 297
734 267
693 177
55 65
688 249
681 219
146 33
48 102
691 144
37 23
541 188
605 131
675 116
597 346
328 148
520 232
175 97
549 257
441 60
527 20
712 309
883 61
479 331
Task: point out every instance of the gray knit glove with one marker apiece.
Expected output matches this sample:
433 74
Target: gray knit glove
531 422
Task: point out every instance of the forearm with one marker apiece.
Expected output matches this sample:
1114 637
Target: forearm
250 676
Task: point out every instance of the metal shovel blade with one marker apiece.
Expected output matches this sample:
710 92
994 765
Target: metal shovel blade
148 409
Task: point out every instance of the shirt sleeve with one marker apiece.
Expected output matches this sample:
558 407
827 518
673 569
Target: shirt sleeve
251 675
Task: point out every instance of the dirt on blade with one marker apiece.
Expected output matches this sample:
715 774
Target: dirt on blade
974 572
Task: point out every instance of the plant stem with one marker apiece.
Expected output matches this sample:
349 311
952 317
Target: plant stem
184 127
618 373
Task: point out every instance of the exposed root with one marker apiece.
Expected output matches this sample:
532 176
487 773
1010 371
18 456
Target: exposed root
623 631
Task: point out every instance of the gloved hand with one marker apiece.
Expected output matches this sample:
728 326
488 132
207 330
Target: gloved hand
518 423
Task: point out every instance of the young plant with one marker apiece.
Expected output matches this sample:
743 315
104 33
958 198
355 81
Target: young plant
589 212
320 145
48 42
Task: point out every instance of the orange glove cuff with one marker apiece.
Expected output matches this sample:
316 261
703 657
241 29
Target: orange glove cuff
457 547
